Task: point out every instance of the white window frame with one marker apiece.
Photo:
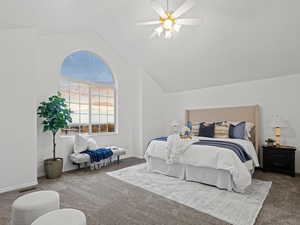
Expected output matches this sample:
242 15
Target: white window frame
100 85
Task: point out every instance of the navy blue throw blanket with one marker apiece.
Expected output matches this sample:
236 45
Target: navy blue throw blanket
236 148
157 139
99 154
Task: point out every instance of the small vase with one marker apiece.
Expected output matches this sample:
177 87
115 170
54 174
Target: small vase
270 144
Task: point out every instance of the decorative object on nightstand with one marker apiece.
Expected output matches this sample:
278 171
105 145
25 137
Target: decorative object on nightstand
279 159
270 142
277 123
186 131
185 137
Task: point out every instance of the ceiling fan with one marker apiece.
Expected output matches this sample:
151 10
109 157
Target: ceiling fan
169 21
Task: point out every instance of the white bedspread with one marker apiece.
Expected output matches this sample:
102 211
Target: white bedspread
177 146
211 157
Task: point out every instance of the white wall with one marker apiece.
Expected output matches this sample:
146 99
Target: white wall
139 97
51 51
144 110
153 108
275 96
18 120
140 101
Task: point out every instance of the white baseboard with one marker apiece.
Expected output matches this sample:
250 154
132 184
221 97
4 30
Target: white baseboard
18 186
71 167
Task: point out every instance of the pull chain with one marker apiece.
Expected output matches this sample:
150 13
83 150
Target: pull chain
167 5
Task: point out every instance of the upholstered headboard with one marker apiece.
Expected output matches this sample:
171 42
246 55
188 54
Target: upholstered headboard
237 113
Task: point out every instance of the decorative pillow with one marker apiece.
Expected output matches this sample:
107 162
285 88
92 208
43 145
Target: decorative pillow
237 131
189 124
222 131
80 143
92 144
207 129
221 123
248 127
195 129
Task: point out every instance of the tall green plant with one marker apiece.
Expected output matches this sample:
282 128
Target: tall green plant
55 115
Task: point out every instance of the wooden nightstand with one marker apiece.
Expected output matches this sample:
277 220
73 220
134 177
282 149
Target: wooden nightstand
279 159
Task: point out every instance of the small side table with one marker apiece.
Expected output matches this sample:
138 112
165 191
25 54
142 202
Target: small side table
279 159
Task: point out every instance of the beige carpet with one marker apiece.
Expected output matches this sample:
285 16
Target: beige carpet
234 208
109 201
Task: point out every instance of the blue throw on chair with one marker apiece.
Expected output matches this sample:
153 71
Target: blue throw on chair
99 154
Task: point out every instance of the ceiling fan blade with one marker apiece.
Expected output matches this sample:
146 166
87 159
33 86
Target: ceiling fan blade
191 22
158 8
153 35
149 23
187 5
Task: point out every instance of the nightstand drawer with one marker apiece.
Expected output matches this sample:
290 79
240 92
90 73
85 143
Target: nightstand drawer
279 160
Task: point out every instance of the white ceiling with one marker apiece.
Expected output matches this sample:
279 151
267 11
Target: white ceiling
238 40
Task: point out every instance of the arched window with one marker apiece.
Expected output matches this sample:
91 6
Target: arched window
88 86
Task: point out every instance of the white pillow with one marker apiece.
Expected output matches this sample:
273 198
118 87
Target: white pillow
80 143
92 144
248 129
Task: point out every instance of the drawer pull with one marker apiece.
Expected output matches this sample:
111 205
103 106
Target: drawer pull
280 164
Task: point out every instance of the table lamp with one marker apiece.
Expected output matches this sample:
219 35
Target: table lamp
277 123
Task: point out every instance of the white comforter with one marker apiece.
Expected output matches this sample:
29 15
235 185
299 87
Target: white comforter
176 147
212 157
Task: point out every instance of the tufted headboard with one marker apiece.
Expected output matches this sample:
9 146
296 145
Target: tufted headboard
236 113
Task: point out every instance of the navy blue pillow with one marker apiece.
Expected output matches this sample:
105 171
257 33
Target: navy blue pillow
237 131
207 129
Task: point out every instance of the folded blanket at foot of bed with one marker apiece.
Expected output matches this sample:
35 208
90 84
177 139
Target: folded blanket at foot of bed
98 155
236 148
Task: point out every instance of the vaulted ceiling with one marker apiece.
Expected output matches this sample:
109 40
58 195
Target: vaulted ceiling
237 40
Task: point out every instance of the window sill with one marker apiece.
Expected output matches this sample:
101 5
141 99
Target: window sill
92 135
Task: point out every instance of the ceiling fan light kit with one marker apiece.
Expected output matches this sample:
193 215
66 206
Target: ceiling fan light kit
169 23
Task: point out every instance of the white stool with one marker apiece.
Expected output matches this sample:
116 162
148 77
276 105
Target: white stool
62 217
28 207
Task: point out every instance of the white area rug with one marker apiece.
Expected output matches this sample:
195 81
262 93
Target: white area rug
234 208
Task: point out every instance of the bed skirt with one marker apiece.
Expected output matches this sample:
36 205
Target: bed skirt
214 177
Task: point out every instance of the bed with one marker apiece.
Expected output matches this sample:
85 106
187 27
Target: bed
207 164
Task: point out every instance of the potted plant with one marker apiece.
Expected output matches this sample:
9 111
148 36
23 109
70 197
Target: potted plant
55 116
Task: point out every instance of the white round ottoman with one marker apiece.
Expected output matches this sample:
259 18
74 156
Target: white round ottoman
28 207
62 217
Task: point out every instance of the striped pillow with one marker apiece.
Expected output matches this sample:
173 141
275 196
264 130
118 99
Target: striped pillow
222 130
195 129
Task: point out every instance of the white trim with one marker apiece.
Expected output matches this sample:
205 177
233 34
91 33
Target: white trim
90 85
98 84
90 111
113 85
220 107
18 186
92 135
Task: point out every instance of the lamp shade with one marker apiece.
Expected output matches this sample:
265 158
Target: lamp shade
277 121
